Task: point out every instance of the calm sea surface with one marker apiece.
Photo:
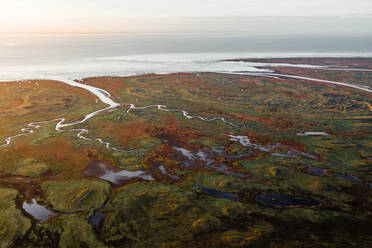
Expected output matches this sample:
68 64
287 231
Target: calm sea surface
78 56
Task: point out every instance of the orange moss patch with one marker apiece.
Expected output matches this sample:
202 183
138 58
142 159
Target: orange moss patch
294 95
112 84
57 151
7 87
32 101
278 124
124 133
62 86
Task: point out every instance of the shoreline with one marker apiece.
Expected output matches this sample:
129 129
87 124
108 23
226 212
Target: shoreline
139 65
273 75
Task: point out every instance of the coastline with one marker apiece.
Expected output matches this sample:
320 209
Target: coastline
136 65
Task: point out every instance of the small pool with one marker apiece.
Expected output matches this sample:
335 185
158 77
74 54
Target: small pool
273 199
37 211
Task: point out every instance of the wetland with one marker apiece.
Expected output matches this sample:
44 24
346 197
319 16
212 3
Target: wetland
189 159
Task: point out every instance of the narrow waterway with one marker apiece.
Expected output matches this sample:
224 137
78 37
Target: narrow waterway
105 97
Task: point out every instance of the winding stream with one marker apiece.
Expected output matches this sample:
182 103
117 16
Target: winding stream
105 97
359 87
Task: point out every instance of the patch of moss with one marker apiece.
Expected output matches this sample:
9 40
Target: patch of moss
72 196
31 170
68 230
206 224
77 233
145 143
12 222
204 142
223 183
235 238
131 164
175 214
140 209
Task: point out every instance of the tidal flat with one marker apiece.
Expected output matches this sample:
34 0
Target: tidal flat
188 160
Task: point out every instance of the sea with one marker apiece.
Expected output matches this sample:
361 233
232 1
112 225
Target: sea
76 56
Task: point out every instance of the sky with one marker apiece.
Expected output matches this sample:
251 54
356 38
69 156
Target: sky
171 15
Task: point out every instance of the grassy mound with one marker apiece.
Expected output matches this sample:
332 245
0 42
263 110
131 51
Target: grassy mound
32 170
12 223
72 196
177 216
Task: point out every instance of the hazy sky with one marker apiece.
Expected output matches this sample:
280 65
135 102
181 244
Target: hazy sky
155 8
62 15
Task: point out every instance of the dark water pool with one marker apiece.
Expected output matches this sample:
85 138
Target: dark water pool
273 199
97 220
347 177
217 194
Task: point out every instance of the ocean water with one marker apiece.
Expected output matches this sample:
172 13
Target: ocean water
80 56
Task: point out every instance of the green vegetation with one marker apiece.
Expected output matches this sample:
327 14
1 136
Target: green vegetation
13 224
31 170
72 196
184 182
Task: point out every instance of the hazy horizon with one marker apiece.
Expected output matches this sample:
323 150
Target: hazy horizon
254 16
254 25
146 36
